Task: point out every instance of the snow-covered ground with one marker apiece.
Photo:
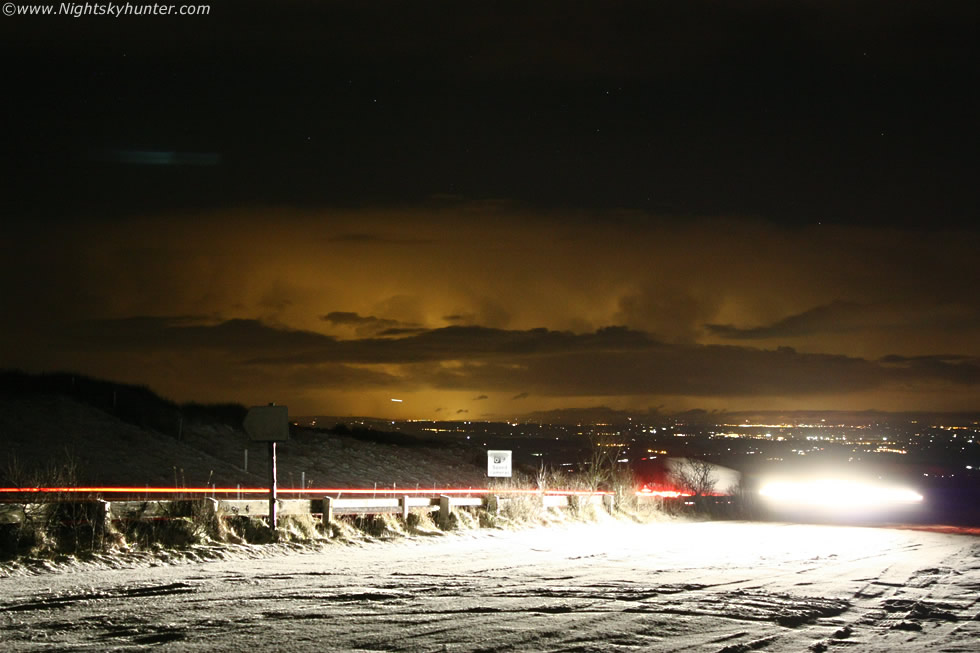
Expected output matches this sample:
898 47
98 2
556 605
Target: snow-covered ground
711 586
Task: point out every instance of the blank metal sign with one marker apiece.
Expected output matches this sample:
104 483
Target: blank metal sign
268 423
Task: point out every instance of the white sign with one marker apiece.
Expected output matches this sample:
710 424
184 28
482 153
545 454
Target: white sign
498 463
267 423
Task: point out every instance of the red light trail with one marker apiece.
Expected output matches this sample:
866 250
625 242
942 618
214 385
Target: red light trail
317 491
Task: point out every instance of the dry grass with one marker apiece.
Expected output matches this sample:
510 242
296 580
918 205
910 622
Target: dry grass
192 524
70 525
299 528
54 524
420 522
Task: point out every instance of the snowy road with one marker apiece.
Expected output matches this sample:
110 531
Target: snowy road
718 586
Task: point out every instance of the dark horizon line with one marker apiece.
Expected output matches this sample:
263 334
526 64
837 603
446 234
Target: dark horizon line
567 412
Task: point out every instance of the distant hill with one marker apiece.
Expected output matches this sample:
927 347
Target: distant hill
134 404
100 432
590 415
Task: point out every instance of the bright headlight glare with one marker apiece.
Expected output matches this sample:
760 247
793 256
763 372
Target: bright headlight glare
838 494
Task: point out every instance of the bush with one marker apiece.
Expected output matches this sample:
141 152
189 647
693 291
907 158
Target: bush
420 522
176 532
297 528
252 530
521 509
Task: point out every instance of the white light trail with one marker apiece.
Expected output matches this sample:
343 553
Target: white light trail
838 494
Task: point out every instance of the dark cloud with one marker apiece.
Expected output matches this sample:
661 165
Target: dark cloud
522 395
348 317
896 359
290 346
465 343
147 333
613 361
668 369
846 317
461 410
403 331
365 325
960 370
834 317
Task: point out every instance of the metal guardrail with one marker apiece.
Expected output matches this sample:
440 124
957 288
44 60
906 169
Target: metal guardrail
327 507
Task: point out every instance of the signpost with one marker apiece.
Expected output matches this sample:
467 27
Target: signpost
269 424
499 463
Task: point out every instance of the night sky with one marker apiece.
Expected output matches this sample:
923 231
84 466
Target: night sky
495 208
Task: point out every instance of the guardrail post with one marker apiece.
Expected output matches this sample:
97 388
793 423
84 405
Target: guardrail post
403 504
210 514
492 504
444 505
609 501
103 519
327 511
